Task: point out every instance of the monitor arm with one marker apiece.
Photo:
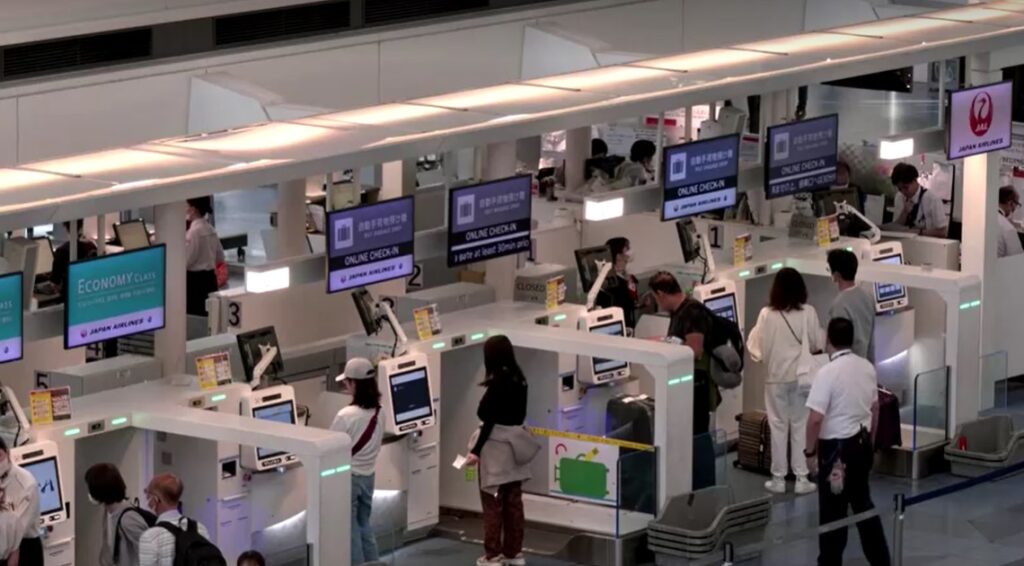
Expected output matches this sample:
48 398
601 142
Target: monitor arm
709 259
268 353
605 268
874 234
385 311
23 427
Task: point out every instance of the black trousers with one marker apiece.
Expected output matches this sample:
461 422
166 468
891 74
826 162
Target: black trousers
198 285
30 553
856 452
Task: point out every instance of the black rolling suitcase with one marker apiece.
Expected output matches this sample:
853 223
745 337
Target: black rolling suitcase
754 449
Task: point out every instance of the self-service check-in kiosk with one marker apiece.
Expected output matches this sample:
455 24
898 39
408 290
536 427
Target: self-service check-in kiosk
594 370
720 298
42 460
270 404
405 386
888 296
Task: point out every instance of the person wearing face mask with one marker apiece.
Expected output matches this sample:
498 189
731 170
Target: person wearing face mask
157 544
1009 238
123 523
920 210
21 502
621 286
639 170
203 252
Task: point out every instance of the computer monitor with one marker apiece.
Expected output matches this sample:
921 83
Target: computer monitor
132 235
42 460
405 383
689 242
253 344
723 306
586 264
890 296
44 256
275 404
365 308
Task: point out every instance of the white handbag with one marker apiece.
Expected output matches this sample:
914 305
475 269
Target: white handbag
808 365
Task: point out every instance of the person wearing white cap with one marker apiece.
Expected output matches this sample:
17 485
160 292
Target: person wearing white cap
360 421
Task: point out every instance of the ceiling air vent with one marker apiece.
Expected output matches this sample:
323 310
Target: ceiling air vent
282 23
48 57
380 12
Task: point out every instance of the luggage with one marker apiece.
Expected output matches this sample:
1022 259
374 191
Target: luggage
889 432
631 417
754 449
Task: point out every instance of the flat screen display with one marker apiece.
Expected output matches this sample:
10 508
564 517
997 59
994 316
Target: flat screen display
283 412
489 220
51 500
801 156
979 120
586 263
132 235
889 291
724 306
410 395
370 244
700 176
11 317
113 296
603 365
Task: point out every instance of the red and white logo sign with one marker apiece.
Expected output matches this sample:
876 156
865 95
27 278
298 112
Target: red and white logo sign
981 113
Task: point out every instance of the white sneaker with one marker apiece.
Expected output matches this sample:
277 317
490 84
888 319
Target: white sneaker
519 560
498 560
776 485
804 486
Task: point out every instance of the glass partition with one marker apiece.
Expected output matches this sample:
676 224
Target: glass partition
993 396
930 409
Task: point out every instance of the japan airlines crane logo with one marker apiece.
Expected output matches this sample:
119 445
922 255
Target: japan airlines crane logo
981 114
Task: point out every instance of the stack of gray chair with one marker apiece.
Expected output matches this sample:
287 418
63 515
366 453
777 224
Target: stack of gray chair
696 524
989 443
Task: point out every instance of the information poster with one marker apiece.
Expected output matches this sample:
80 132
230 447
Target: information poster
742 249
213 370
801 156
980 119
554 292
489 220
47 406
11 317
369 244
700 177
583 470
427 320
114 295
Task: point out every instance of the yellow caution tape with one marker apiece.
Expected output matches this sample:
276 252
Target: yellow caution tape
590 438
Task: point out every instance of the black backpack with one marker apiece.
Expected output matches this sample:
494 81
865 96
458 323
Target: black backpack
148 516
724 343
191 548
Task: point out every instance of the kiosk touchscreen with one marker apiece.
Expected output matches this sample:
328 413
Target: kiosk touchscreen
132 235
42 461
270 404
595 370
889 296
408 400
720 298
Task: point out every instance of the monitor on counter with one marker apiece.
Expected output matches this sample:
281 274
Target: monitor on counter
489 220
132 235
114 296
370 244
587 264
801 157
252 346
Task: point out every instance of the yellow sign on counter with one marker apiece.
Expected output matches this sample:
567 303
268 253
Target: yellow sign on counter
428 323
47 406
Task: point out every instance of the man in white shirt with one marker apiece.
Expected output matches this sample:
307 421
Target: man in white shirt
843 405
919 209
157 544
1009 241
20 497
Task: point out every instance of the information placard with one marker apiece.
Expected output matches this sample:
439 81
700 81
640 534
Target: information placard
113 296
370 244
980 120
489 220
11 317
700 176
801 156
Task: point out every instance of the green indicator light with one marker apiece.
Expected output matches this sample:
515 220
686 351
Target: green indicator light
477 336
72 431
438 345
849 248
218 397
965 306
745 273
675 381
686 378
343 469
329 472
560 317
119 421
777 265
975 303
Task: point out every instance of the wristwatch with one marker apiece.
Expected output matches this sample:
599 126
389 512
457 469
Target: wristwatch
810 453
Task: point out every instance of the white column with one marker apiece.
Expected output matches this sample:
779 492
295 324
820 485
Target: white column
169 345
291 218
499 274
398 178
980 215
577 150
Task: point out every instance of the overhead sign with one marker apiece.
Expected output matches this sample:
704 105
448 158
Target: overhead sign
700 176
979 120
489 220
11 317
801 156
370 243
115 295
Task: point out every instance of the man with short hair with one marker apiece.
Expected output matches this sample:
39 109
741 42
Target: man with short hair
843 405
1009 242
852 302
157 544
920 210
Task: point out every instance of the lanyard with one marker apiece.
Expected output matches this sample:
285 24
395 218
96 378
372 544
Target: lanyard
839 354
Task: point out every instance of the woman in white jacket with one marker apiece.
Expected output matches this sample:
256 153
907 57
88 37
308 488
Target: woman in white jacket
785 329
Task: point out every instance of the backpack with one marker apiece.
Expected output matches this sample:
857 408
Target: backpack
724 344
191 548
148 516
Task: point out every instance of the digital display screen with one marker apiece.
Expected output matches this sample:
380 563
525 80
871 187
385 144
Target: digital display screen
410 395
283 412
370 244
801 156
889 291
723 306
113 296
132 235
51 500
700 176
979 120
11 317
603 365
489 220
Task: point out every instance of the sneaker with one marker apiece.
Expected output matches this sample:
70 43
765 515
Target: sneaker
804 486
519 560
498 560
776 485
